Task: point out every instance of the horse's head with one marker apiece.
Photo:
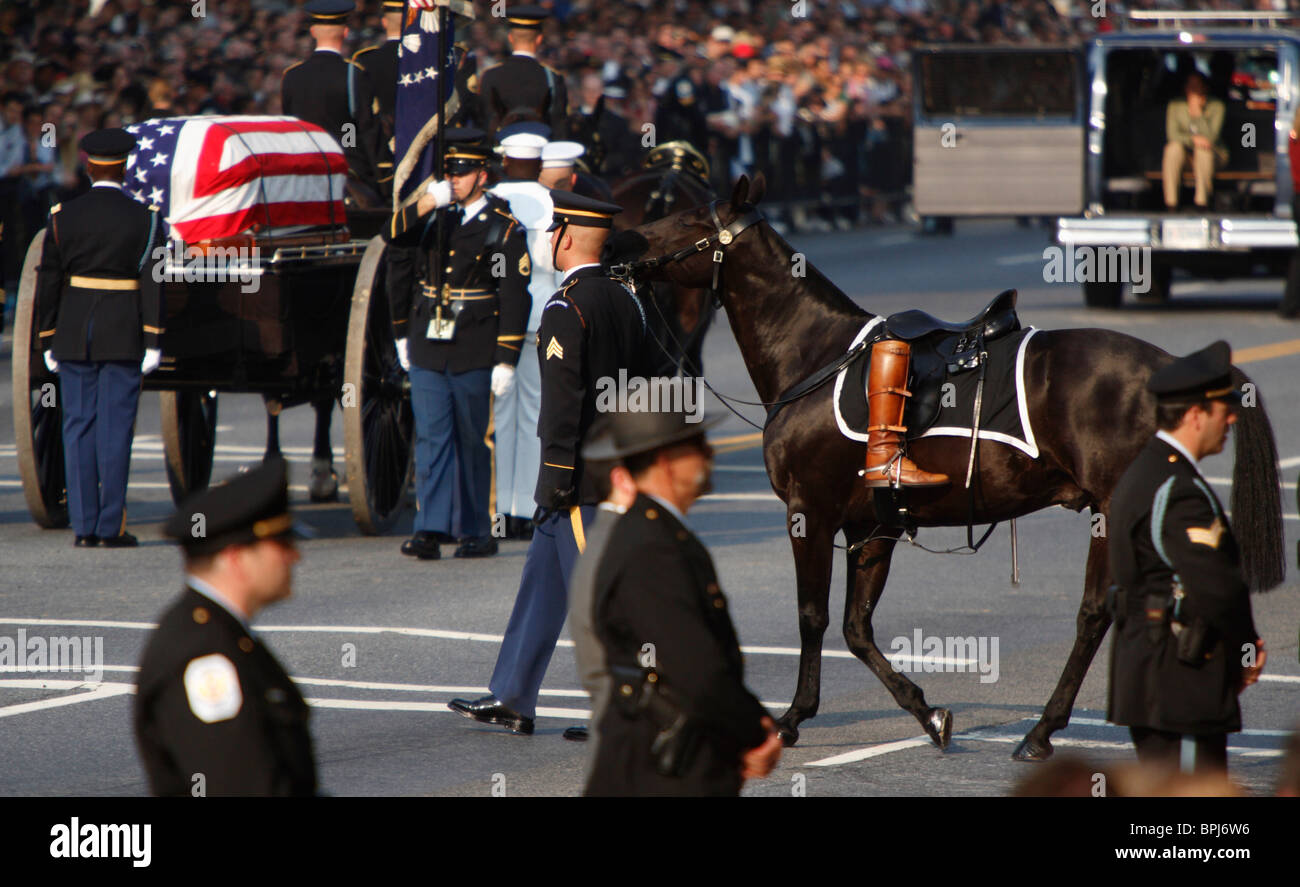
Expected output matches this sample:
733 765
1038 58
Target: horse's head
681 247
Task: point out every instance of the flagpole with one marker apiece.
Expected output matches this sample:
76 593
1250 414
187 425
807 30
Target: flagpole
440 139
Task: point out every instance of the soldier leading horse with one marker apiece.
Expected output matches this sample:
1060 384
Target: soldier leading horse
1088 406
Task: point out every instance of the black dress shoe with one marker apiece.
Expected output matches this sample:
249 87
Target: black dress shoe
423 545
86 541
576 734
484 546
125 540
490 710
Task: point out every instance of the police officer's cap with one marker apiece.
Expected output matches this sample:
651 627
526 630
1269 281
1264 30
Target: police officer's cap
615 89
667 54
329 12
467 149
107 146
628 433
585 212
527 18
1201 375
247 508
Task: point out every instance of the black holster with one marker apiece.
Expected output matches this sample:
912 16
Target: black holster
1193 642
639 693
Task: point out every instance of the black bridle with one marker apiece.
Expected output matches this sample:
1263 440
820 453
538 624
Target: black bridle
627 272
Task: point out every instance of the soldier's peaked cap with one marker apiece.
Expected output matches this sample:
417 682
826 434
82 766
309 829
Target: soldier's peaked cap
527 17
244 509
108 145
466 149
1201 375
394 5
630 432
329 12
585 212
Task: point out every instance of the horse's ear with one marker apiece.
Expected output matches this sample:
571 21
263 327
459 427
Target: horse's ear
740 193
757 189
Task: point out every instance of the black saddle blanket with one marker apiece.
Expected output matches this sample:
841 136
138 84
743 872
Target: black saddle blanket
949 411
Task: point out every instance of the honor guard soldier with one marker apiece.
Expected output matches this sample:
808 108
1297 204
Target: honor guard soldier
380 64
1185 642
521 88
100 314
215 713
459 310
680 113
335 94
590 330
675 717
599 124
518 451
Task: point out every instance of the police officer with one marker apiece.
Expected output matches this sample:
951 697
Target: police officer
215 713
380 64
600 125
518 451
1185 642
459 310
590 330
676 718
335 94
680 112
100 316
521 88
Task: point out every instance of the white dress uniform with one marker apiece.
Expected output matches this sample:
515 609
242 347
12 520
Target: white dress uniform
518 449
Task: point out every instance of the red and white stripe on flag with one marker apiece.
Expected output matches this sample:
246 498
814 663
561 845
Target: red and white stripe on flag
231 174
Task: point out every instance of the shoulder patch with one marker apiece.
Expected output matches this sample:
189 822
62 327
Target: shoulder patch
1207 536
212 688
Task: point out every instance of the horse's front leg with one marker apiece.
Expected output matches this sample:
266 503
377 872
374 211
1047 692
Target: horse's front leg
868 570
813 549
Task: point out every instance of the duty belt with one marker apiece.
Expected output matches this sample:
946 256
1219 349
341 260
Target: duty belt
451 294
102 283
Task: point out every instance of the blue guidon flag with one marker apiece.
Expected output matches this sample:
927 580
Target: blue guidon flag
419 73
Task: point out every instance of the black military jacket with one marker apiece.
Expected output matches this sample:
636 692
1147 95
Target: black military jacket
186 726
492 311
523 84
96 293
612 148
1165 519
656 585
591 328
380 65
675 119
316 90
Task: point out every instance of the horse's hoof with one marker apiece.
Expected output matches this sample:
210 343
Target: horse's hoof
939 725
789 734
324 485
1032 750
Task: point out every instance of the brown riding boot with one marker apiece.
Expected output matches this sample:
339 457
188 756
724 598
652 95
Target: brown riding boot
886 397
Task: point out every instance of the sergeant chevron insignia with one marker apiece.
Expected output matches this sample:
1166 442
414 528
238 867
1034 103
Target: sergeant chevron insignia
525 266
1208 536
554 349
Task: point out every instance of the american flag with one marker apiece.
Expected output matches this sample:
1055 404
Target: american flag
221 176
418 72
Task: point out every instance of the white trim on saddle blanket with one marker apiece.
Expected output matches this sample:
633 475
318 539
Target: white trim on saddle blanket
1028 446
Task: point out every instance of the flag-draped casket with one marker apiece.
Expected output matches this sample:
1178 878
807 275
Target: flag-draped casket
215 177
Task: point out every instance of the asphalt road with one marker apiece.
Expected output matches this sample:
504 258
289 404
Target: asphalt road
425 632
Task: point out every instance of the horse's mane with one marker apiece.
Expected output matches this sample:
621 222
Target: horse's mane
815 285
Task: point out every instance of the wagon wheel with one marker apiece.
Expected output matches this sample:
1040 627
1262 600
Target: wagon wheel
38 416
189 433
378 427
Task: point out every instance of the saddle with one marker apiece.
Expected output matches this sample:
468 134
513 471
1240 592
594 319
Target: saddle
941 349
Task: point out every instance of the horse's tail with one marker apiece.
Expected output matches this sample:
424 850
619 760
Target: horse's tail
1256 493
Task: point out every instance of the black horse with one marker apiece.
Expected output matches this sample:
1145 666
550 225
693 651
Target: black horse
674 177
1088 406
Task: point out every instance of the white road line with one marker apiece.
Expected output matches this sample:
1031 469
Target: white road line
103 691
1245 751
1102 722
377 705
871 752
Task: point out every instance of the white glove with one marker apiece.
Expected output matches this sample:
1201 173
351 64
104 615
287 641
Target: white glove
402 356
51 362
440 192
152 357
503 379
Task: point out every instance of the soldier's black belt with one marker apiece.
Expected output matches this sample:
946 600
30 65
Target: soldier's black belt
457 295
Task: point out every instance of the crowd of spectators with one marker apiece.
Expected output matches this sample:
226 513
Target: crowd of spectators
815 93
